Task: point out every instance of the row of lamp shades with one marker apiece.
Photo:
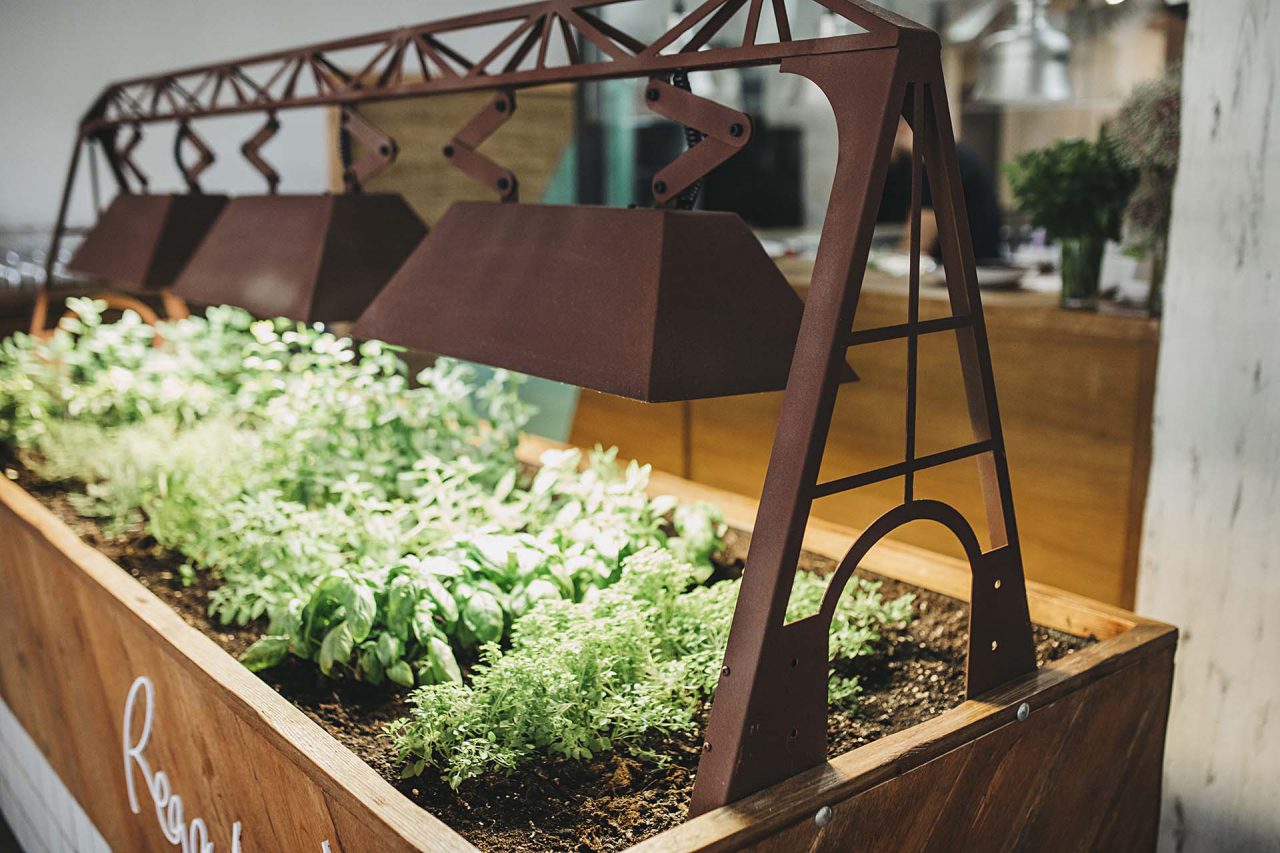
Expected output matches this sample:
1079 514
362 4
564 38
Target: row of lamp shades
651 304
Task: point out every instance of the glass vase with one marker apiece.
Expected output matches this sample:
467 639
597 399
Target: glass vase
1081 271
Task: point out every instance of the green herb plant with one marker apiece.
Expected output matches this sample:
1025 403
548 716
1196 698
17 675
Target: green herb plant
1073 189
631 661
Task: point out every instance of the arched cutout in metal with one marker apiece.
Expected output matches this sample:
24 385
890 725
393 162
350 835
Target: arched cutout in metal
1000 643
922 510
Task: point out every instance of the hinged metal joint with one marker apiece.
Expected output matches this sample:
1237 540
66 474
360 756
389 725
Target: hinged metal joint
724 131
461 149
379 150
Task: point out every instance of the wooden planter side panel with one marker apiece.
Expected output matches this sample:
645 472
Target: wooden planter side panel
1083 773
77 633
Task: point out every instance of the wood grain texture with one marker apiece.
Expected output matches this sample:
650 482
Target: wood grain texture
1103 672
78 630
1080 774
83 629
1075 397
1211 552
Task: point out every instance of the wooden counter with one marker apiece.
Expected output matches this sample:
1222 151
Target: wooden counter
1075 393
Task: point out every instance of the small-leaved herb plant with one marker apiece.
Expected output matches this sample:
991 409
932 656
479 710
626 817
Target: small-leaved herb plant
636 659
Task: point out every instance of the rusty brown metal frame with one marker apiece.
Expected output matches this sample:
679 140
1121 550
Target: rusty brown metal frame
768 720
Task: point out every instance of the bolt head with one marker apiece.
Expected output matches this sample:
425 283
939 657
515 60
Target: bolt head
503 183
823 817
384 150
736 129
706 746
659 186
652 93
448 151
501 106
724 671
1024 711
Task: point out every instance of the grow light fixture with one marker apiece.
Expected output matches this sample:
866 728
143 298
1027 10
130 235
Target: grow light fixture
142 240
311 258
649 302
669 304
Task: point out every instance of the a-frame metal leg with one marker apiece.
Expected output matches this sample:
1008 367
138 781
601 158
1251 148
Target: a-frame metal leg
769 718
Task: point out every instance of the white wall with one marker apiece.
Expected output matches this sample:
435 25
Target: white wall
1211 551
56 56
40 810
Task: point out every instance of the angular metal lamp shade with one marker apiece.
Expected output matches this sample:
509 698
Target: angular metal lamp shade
656 305
312 258
143 241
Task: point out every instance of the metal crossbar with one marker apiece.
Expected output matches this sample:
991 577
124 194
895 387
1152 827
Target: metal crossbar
906 330
898 469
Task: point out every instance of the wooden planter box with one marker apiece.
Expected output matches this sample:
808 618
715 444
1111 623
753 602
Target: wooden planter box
214 753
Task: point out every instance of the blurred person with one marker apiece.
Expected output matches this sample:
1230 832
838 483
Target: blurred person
977 183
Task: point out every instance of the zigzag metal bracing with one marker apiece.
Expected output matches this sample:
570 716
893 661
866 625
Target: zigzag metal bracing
373 67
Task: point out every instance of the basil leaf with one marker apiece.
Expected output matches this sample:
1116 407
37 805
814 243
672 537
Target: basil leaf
265 653
361 609
483 615
389 648
401 673
444 665
336 648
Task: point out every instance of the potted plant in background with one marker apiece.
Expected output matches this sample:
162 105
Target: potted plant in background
1147 135
1077 191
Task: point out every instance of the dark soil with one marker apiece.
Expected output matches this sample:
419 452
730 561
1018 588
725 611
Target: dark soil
612 801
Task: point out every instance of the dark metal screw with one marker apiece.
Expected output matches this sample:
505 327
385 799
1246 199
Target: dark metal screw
724 670
501 106
384 150
659 186
735 129
503 183
706 746
448 151
652 93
